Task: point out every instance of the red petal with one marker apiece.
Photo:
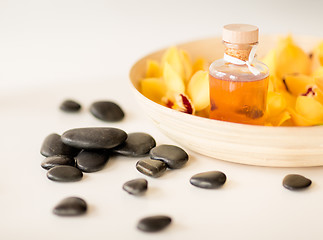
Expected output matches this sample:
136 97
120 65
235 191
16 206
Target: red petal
187 104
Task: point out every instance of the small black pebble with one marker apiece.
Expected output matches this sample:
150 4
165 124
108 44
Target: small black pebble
91 161
173 156
154 223
295 182
209 180
64 174
56 160
71 206
53 145
107 111
70 106
137 144
136 186
150 167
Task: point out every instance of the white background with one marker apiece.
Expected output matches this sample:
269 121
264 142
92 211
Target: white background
51 50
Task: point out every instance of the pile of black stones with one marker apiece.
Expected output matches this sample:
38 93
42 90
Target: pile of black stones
86 150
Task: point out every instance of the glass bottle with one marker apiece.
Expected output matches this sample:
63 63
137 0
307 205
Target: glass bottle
239 82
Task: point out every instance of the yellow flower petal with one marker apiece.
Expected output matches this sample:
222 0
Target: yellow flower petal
198 90
172 57
153 88
172 79
276 113
270 85
187 65
291 59
317 57
153 69
270 61
283 117
318 95
319 82
276 104
279 119
277 83
300 120
318 73
308 111
298 84
290 99
198 65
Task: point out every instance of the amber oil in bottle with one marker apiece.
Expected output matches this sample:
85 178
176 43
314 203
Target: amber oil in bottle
238 82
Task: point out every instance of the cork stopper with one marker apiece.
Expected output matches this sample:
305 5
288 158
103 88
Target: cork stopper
240 33
239 39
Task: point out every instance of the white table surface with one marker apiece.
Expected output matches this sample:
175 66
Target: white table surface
52 50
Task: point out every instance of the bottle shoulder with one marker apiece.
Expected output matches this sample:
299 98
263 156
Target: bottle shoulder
225 70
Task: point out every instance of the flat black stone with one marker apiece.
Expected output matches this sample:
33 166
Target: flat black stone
91 161
64 174
107 111
173 156
136 186
71 206
94 138
296 182
53 145
137 144
154 223
70 106
57 160
150 167
209 180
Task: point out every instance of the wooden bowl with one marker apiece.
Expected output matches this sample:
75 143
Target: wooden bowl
239 143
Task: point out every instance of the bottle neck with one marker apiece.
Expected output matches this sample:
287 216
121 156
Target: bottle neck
240 51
